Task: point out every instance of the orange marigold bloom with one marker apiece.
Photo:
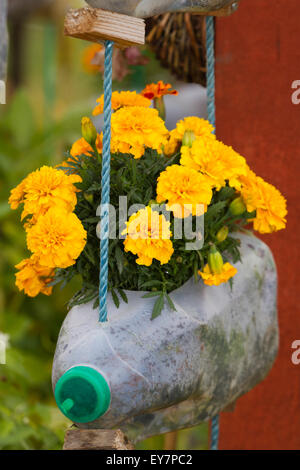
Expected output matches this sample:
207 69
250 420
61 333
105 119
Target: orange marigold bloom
267 201
57 238
81 147
34 278
211 279
148 237
120 99
88 56
185 191
157 90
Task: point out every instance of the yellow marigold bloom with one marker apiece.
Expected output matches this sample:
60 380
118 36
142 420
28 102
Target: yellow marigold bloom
219 162
88 56
17 195
33 278
43 189
267 201
120 99
57 238
211 279
200 127
148 237
135 128
157 90
184 189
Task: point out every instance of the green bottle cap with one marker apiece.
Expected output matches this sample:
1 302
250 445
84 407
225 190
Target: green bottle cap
82 394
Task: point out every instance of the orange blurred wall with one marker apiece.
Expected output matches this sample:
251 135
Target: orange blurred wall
257 59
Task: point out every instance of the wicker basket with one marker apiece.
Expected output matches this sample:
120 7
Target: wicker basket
178 40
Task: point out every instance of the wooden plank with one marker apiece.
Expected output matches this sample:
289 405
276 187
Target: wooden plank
96 25
96 439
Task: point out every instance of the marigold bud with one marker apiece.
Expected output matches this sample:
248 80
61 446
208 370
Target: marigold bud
237 206
188 138
222 234
179 259
215 261
88 130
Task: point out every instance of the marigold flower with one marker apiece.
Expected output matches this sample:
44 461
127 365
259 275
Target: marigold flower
33 278
219 162
184 189
17 195
135 128
81 147
267 201
57 238
148 237
43 189
88 58
192 124
211 279
120 99
157 90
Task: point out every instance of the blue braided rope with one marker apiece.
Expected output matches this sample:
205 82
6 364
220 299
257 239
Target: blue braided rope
210 69
211 112
105 181
214 443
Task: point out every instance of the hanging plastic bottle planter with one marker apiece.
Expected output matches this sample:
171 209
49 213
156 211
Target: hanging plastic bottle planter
184 320
155 376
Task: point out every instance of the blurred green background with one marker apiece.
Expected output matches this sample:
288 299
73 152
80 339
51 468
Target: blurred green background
48 93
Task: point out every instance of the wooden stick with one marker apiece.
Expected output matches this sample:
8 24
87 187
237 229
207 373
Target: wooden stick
96 25
96 439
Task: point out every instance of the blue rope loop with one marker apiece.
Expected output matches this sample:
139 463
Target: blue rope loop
211 113
105 182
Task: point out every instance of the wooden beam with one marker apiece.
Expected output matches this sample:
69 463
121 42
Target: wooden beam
96 25
96 439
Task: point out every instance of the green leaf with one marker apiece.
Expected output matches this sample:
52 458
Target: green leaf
214 210
225 193
151 294
170 302
158 306
115 298
123 295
